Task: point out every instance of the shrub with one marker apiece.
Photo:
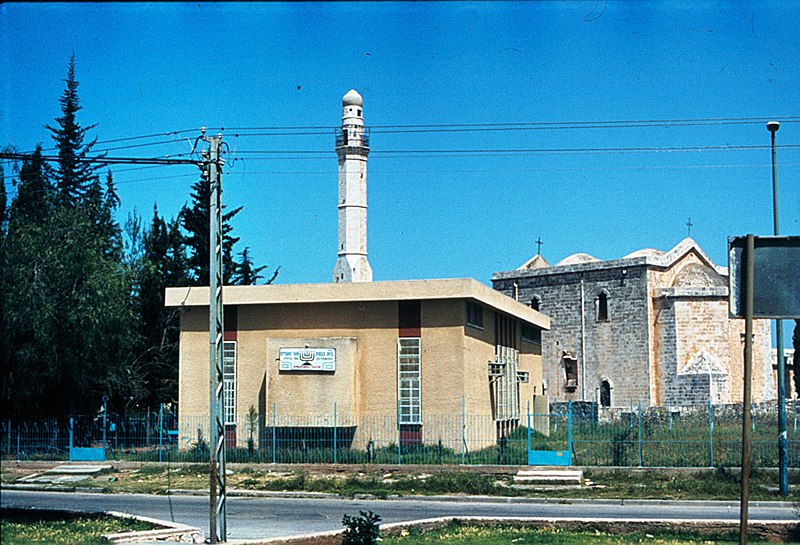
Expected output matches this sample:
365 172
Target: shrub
361 530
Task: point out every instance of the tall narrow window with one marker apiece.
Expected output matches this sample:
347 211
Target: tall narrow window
408 380
602 307
229 381
605 394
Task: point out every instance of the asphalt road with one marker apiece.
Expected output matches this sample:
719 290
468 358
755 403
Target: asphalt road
260 518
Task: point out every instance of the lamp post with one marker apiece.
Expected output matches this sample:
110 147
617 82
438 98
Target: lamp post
783 442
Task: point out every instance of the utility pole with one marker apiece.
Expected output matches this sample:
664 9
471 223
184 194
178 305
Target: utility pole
211 168
217 493
783 442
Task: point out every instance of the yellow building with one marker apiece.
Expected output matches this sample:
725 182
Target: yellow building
403 353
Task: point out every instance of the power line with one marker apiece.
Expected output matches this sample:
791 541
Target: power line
110 160
537 125
520 151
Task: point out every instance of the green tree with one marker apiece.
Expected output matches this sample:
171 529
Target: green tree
195 221
66 293
246 273
163 264
73 173
796 357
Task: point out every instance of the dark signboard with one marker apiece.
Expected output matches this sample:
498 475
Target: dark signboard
776 277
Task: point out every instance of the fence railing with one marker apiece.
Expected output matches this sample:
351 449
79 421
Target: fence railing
638 437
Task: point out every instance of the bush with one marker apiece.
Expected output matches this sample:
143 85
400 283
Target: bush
361 530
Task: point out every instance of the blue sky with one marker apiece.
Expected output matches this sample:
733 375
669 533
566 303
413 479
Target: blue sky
443 201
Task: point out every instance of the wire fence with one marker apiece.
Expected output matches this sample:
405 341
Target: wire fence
632 437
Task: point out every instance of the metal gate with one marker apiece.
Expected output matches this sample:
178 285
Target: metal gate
555 447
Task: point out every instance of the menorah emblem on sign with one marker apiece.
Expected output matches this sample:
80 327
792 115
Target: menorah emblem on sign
307 355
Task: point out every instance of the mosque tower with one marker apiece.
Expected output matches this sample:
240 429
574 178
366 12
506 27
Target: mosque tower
352 148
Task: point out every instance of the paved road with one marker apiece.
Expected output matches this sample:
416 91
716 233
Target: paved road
259 518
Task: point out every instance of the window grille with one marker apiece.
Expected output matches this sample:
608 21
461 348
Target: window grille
229 381
408 380
505 388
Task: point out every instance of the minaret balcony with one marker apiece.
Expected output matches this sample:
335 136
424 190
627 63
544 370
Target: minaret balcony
345 140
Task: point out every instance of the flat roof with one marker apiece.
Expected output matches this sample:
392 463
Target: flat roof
397 290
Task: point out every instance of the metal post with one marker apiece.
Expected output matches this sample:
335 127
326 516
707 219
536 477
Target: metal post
274 432
710 434
105 407
783 441
463 431
569 429
160 430
217 494
399 435
71 440
748 366
334 433
641 461
528 410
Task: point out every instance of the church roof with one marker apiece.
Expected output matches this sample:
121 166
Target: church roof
575 259
646 256
536 262
645 252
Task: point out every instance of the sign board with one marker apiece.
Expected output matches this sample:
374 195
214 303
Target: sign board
776 277
307 359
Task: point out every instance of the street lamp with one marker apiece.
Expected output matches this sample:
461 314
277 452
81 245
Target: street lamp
783 442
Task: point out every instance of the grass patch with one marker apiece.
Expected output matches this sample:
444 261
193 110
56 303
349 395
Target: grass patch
24 527
457 533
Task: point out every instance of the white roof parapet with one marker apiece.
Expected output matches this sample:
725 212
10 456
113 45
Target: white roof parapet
399 290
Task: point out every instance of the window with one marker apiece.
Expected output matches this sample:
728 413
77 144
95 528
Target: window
531 334
536 302
475 315
605 394
408 380
229 381
523 376
570 372
602 307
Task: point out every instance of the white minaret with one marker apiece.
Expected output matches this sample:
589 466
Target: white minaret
352 147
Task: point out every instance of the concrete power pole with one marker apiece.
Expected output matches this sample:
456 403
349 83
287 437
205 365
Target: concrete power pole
217 519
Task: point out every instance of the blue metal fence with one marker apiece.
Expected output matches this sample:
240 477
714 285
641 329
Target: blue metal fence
633 437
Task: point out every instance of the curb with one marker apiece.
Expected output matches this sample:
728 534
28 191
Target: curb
464 499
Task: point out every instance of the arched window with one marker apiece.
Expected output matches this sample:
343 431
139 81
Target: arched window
605 393
602 307
536 302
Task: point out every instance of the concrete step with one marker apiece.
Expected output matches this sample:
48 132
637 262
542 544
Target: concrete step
549 476
79 469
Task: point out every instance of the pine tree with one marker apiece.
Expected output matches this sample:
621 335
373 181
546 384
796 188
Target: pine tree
73 173
196 221
66 293
163 264
246 274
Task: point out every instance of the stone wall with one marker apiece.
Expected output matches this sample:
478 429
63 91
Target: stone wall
616 349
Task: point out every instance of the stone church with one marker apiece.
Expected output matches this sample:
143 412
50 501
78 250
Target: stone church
651 327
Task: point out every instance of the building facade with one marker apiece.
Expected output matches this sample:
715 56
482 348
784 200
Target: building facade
651 327
401 355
